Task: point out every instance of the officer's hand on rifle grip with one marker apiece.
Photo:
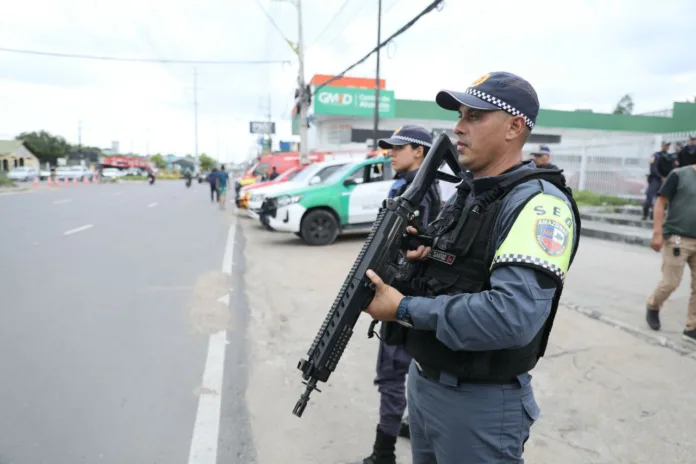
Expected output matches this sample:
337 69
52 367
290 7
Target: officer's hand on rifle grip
421 252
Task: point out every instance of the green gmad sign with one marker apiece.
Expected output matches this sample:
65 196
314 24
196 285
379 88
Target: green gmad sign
348 101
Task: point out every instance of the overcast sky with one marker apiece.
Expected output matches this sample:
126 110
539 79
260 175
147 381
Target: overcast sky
577 54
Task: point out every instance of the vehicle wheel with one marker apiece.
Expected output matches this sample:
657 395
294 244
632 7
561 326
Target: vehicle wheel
319 227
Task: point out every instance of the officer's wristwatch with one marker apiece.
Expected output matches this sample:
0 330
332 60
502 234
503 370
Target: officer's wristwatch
402 315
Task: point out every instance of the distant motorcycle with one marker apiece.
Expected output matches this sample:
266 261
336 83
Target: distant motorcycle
188 182
151 178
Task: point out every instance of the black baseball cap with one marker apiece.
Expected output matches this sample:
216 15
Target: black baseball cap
407 134
495 91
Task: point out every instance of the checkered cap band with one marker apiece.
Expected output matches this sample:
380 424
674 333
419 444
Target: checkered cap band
411 140
509 258
500 104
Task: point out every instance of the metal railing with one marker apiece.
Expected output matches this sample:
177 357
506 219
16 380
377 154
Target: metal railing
616 167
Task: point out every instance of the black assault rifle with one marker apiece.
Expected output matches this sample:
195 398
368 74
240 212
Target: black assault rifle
379 253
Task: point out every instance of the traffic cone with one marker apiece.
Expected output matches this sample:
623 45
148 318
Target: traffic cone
74 180
85 180
36 182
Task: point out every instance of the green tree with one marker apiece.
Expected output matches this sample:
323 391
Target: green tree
47 147
207 163
625 105
159 161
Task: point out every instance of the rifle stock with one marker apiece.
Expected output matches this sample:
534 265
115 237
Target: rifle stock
378 253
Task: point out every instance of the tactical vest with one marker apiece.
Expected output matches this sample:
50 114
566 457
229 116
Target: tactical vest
460 262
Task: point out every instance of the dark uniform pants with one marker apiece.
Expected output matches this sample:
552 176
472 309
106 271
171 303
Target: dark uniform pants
650 195
469 424
392 366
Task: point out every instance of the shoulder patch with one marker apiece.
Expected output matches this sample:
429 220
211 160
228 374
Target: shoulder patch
542 236
552 236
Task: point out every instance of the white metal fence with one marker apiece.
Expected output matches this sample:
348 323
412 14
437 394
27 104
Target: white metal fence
613 166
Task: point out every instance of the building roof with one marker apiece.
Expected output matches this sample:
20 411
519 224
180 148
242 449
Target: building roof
683 118
9 146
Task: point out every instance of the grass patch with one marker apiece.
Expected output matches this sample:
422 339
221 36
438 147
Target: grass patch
5 182
583 197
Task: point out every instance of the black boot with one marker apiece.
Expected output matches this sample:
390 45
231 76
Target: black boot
383 451
405 430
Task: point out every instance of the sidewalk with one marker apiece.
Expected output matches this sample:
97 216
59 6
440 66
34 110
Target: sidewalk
606 396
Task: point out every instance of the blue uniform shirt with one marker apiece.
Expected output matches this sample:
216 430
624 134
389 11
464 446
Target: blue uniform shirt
512 312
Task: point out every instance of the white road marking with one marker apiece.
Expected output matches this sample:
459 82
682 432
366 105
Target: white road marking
152 205
60 202
79 229
206 430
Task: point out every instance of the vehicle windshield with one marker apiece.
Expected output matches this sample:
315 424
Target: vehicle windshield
294 174
307 173
341 172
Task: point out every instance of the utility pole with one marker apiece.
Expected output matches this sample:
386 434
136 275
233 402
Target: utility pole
195 109
79 140
304 98
268 127
379 40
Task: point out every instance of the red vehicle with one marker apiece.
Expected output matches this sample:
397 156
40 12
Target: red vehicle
243 196
281 161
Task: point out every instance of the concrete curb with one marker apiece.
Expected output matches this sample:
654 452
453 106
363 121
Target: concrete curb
627 221
653 339
615 236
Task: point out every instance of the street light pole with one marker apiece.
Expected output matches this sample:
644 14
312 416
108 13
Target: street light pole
304 97
379 40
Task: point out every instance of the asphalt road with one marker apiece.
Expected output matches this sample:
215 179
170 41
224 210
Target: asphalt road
140 324
109 296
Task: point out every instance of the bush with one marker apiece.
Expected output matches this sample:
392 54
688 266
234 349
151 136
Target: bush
583 197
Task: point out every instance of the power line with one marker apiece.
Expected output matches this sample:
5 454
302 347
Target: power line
138 60
403 29
270 18
326 28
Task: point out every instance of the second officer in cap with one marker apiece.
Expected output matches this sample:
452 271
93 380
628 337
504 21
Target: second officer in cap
478 319
409 145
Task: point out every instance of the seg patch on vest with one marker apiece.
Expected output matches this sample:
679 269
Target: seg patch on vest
542 236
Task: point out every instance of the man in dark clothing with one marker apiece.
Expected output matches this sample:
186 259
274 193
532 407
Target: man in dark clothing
212 180
409 145
687 155
274 174
542 158
659 168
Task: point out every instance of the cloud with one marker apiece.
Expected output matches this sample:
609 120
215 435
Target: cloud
577 54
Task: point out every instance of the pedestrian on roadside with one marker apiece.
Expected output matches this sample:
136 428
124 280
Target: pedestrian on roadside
479 318
409 146
687 155
658 163
212 180
675 236
222 179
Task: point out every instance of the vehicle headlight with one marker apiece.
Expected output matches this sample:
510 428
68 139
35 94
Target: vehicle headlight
286 200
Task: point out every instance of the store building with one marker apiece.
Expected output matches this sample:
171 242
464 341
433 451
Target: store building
600 152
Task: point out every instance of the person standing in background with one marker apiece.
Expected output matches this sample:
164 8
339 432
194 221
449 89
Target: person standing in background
212 180
687 155
222 179
675 236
